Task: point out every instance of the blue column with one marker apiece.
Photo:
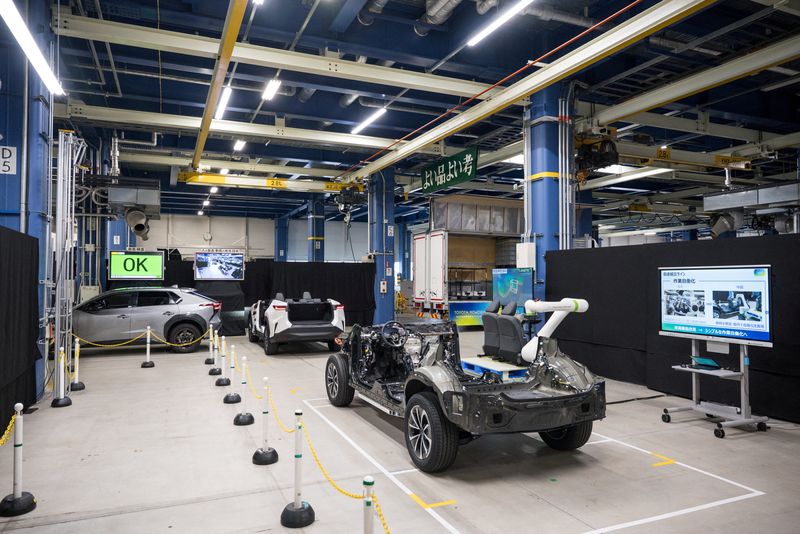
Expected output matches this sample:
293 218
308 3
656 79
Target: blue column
281 238
404 251
583 222
381 233
316 228
541 185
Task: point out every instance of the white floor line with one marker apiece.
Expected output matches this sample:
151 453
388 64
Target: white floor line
404 471
373 461
318 399
676 513
605 440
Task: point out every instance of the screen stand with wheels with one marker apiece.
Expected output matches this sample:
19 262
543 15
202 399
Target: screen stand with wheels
730 415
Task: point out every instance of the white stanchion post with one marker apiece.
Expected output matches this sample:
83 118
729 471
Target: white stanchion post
298 513
265 455
232 397
60 399
210 359
147 363
217 370
19 502
223 380
244 418
76 384
369 505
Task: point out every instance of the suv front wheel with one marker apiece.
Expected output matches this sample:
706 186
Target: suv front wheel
184 333
431 439
337 381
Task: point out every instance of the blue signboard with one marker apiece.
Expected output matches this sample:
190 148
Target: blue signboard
513 284
468 312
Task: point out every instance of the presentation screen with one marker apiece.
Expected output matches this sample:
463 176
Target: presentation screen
219 266
512 284
730 303
124 265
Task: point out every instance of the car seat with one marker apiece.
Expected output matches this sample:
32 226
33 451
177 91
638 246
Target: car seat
491 338
511 336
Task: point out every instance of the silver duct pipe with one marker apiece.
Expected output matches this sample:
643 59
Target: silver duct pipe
374 6
114 156
483 6
347 100
152 142
137 221
436 12
548 13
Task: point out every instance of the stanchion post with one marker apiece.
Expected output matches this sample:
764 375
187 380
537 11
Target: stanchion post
298 513
369 505
148 363
265 455
212 342
223 380
232 397
76 384
244 418
217 370
60 399
19 502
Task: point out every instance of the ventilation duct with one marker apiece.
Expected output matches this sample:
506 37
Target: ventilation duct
138 222
137 206
365 16
436 12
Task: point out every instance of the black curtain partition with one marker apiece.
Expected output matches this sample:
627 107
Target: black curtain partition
19 314
618 337
349 283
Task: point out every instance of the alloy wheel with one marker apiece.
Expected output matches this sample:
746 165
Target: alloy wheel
419 432
332 380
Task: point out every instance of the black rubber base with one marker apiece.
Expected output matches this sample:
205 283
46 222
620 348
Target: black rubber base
265 456
232 398
148 365
294 518
61 403
209 361
215 371
10 506
224 381
244 419
77 386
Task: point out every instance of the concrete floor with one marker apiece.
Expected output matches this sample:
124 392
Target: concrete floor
155 450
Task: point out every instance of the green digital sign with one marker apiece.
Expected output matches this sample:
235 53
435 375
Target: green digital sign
136 266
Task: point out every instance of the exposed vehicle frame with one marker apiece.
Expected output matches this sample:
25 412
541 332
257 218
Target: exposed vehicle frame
414 371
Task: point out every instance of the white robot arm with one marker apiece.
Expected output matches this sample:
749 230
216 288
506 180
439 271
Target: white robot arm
559 311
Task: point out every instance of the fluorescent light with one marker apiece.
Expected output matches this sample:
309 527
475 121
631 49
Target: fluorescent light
223 102
519 159
369 120
224 171
206 202
616 169
650 233
499 21
23 36
271 89
663 147
213 190
200 212
238 145
258 2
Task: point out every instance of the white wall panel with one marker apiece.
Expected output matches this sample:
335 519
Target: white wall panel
187 234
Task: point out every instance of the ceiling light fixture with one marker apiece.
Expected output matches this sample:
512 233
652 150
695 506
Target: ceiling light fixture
238 145
224 171
206 202
369 120
499 21
258 2
519 159
223 102
271 89
200 212
23 36
214 190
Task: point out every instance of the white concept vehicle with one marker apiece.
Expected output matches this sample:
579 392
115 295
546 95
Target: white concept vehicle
283 320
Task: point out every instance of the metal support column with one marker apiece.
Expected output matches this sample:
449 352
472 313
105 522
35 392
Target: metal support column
316 228
404 251
583 219
281 238
541 200
381 237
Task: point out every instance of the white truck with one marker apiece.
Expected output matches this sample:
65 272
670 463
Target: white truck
283 320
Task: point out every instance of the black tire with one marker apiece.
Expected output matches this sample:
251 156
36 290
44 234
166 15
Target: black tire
251 336
333 346
568 438
719 433
425 421
183 333
270 347
337 381
666 417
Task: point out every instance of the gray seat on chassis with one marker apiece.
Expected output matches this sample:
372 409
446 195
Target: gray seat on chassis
512 339
491 334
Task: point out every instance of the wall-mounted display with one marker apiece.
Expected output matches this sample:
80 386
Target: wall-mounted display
219 266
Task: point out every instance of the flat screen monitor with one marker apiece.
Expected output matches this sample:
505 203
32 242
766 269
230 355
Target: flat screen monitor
729 303
219 266
124 265
513 284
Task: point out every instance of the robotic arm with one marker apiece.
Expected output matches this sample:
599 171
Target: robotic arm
559 311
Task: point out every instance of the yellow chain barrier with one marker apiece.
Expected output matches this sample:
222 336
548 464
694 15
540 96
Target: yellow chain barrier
87 342
283 427
379 511
70 376
250 385
192 342
324 471
9 431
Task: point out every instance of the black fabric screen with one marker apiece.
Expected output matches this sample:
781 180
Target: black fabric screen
618 337
349 283
19 315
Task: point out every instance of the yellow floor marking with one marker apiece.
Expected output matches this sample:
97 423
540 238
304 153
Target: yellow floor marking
666 461
432 505
293 391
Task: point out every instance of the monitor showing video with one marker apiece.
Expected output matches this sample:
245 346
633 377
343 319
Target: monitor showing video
219 266
731 303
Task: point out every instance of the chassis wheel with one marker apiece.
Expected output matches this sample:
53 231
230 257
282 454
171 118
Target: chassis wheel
251 336
337 381
184 333
568 438
270 347
431 439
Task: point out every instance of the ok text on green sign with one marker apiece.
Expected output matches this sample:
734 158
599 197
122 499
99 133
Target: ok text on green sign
450 171
136 266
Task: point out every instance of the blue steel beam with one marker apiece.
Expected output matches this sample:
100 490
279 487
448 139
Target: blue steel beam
381 232
316 228
281 238
347 14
